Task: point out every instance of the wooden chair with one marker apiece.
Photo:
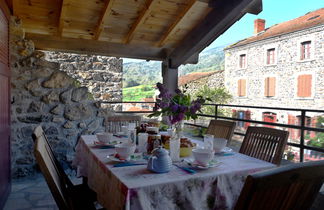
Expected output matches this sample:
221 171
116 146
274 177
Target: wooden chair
221 129
265 143
114 123
290 187
66 195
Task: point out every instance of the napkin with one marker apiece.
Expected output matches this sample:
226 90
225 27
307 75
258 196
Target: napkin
128 164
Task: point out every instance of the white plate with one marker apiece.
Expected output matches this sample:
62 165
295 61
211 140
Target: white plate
136 157
212 164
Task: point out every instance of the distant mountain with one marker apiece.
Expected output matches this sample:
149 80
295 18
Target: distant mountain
137 73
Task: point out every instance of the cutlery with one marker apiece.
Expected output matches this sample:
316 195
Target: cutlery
186 169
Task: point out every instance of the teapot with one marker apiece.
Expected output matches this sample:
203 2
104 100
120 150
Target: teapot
160 161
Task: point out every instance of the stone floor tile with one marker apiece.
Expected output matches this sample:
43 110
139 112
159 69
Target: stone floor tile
17 204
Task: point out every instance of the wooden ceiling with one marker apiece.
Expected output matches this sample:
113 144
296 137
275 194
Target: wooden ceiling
145 29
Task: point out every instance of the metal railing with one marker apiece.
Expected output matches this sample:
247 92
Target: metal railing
301 127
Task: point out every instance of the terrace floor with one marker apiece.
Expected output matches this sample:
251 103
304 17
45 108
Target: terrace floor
33 193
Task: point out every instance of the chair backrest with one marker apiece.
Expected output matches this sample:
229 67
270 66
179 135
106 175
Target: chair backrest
114 123
221 129
290 187
54 174
265 143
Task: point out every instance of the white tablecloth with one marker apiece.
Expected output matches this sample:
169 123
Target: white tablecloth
134 187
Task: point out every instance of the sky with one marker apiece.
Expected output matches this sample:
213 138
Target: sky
274 11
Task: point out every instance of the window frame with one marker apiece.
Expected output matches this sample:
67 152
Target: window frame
312 49
244 52
266 49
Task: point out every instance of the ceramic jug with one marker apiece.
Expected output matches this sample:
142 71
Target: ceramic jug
160 161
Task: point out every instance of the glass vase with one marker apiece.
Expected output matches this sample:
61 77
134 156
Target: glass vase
178 129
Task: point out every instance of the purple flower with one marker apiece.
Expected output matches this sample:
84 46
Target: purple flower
174 108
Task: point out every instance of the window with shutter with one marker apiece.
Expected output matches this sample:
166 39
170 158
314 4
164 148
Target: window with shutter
305 50
271 56
304 85
241 91
242 61
270 86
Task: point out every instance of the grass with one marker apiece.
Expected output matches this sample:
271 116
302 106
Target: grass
137 93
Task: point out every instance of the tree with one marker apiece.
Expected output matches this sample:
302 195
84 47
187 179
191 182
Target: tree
217 95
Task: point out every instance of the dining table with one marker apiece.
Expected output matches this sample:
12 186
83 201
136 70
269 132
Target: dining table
135 187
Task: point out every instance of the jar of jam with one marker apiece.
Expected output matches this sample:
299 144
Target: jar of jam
153 141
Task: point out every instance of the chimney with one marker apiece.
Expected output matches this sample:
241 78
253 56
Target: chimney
259 25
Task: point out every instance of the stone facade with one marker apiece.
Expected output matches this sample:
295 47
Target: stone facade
214 80
43 95
101 74
286 69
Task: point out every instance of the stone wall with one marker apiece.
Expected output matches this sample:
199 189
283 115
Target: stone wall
212 81
101 74
286 69
42 94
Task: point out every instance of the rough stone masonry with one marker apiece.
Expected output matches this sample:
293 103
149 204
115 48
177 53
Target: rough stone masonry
44 95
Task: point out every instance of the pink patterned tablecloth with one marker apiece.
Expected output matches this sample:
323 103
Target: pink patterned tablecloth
134 187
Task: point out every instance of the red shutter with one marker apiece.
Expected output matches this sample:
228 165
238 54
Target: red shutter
292 132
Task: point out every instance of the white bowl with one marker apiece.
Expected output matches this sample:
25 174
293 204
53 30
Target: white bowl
219 144
203 156
103 137
124 150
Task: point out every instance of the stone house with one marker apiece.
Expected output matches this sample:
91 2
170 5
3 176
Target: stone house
279 66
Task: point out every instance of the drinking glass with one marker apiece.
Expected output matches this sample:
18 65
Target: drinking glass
175 149
142 142
209 141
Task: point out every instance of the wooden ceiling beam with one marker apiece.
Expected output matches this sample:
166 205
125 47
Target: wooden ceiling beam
139 21
65 4
94 47
174 25
105 12
216 22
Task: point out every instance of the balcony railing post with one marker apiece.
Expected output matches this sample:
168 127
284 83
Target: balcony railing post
302 135
216 111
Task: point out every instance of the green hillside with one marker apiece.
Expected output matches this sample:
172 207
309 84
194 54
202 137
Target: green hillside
137 93
140 77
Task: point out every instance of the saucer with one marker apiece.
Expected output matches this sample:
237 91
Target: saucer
225 150
100 143
211 164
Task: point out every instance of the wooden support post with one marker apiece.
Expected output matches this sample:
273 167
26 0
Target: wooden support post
169 76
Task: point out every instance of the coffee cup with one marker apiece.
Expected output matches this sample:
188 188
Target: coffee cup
124 150
219 144
104 137
203 156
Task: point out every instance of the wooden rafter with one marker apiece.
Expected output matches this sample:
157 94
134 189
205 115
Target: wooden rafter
64 8
95 47
215 23
105 12
172 28
139 21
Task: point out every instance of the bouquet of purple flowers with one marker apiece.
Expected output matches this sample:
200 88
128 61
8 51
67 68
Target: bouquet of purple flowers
178 106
